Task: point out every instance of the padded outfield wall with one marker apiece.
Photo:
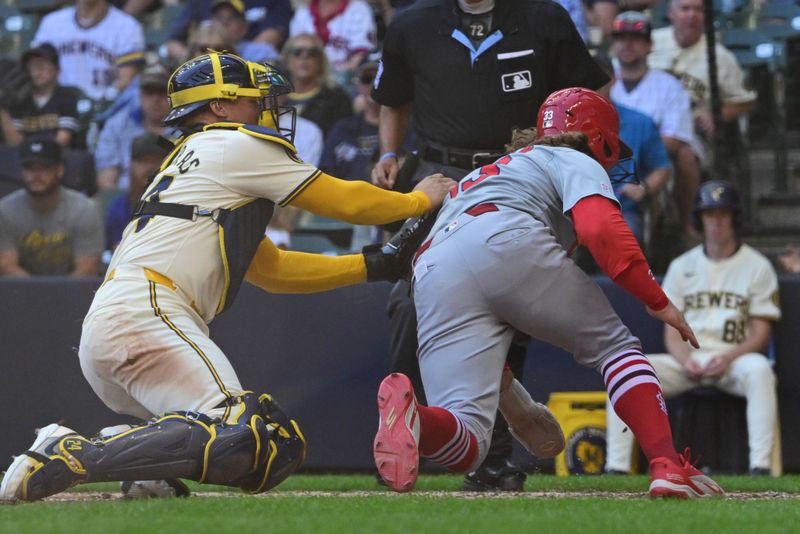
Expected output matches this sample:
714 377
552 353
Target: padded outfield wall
321 356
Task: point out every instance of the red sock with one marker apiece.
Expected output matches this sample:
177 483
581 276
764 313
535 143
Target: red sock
637 398
445 439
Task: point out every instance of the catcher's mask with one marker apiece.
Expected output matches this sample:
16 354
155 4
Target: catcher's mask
222 75
578 109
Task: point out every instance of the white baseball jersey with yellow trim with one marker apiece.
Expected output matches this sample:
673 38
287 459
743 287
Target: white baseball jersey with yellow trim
718 297
218 168
89 56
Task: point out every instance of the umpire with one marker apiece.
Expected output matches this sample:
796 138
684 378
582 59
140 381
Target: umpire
465 72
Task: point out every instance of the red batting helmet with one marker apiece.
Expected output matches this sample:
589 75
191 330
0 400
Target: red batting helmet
577 109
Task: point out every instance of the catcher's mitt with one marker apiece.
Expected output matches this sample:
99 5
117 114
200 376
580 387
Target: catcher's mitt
392 261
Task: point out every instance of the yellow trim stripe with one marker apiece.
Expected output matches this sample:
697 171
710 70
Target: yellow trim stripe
273 452
300 188
213 431
229 91
302 438
166 321
38 465
267 137
216 67
257 437
171 156
226 268
130 58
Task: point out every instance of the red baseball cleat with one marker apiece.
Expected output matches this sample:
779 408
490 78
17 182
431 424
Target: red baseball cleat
683 481
395 446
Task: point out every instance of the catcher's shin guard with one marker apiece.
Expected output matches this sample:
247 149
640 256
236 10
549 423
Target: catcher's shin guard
248 449
287 449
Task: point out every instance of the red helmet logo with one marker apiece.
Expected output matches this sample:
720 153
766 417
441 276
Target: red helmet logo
582 110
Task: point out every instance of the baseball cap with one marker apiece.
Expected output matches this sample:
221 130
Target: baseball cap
40 150
146 144
631 22
154 77
44 51
237 5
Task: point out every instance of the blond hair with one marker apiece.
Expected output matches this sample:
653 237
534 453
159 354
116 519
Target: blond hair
316 42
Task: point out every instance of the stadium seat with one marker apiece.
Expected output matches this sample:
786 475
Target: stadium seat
338 232
316 243
18 31
763 60
752 47
9 184
782 23
40 7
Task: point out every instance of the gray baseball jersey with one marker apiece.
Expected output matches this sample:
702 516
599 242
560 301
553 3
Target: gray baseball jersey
504 267
545 182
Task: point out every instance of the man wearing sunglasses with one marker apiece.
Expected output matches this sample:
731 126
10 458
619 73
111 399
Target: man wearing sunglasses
195 236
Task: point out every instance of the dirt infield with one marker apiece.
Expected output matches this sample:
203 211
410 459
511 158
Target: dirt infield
88 496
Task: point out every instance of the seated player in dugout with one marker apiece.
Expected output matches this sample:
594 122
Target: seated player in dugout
197 233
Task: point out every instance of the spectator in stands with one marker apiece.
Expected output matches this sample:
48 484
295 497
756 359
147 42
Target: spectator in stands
729 294
210 35
352 145
790 260
681 50
309 142
578 16
112 155
650 159
660 96
146 157
345 27
231 13
600 14
101 49
316 97
267 22
49 110
47 229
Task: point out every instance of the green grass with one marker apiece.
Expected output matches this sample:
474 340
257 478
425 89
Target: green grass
378 510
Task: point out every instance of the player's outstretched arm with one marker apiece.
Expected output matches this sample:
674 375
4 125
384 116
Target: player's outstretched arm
359 202
281 271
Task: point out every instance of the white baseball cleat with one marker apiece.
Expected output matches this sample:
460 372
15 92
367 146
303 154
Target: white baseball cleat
396 442
530 422
14 486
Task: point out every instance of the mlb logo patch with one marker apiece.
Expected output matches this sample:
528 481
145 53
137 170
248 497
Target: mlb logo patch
517 81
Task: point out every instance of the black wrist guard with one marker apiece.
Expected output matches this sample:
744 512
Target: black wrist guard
392 262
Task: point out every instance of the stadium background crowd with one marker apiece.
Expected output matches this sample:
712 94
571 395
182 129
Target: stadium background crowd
91 75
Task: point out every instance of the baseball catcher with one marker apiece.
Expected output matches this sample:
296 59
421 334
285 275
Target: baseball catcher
196 234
